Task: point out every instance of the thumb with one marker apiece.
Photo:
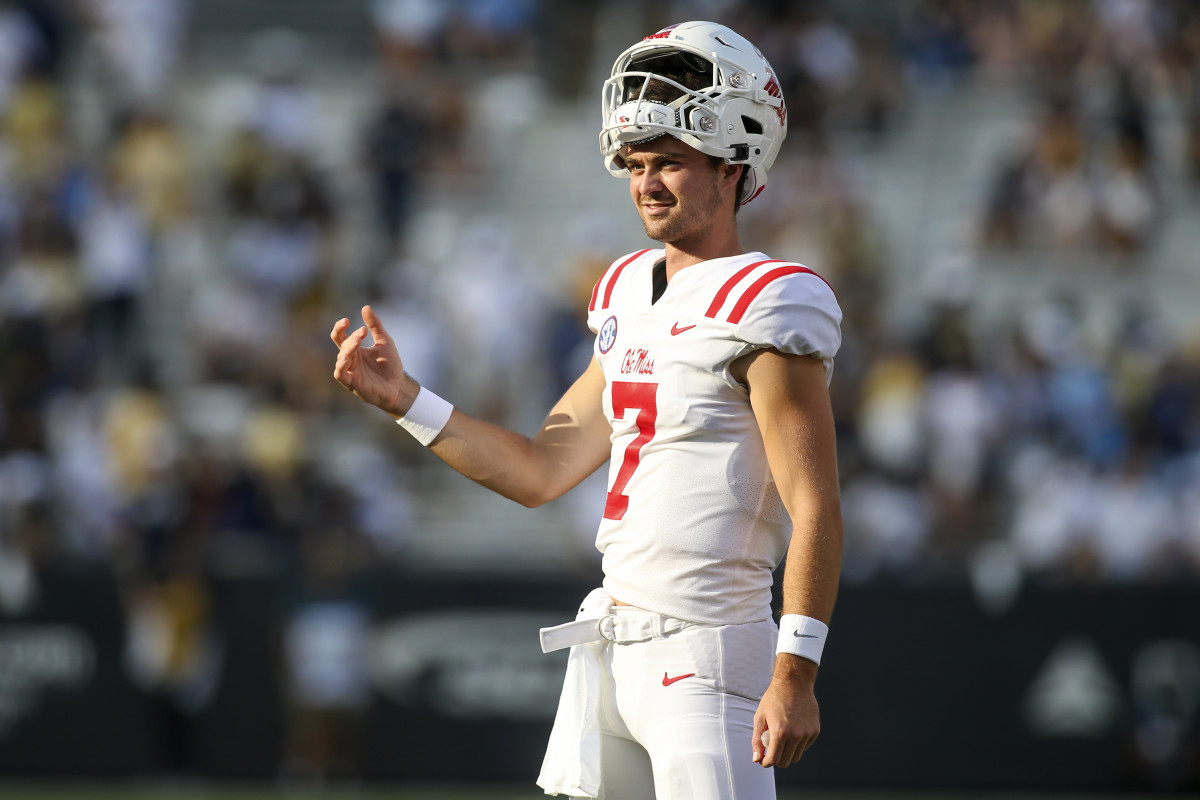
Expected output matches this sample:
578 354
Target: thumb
760 739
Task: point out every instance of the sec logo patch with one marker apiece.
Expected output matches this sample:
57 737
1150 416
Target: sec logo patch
608 334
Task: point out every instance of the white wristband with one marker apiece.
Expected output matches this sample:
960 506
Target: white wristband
426 417
802 636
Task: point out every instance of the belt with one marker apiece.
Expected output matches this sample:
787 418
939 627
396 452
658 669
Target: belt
619 628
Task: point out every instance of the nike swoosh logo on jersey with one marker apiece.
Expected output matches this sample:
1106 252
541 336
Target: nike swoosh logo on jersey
668 681
676 330
800 635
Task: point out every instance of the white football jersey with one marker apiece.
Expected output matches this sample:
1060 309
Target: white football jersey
693 525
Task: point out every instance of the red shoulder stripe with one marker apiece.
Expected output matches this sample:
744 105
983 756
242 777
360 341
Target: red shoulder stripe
719 300
756 288
612 282
595 291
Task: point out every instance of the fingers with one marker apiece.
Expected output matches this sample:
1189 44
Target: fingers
789 754
378 333
352 342
347 352
771 750
781 753
374 326
777 750
338 334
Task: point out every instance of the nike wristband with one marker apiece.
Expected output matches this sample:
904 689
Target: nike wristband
427 416
802 636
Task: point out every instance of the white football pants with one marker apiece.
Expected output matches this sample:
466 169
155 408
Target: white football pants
677 714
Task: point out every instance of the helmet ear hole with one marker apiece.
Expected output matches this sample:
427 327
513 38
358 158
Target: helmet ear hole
752 125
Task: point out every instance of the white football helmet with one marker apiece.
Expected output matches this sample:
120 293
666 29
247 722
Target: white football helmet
739 116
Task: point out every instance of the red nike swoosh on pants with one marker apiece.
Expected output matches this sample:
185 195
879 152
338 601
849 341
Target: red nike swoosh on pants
668 681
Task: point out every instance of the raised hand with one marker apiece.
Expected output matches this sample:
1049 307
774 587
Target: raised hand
375 373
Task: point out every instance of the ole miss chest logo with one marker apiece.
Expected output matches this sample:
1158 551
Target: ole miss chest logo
608 334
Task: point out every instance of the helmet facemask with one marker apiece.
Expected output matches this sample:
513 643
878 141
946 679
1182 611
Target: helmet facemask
660 94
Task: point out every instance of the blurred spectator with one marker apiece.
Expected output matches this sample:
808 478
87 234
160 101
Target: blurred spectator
1053 497
1166 716
1127 200
19 44
42 280
409 31
280 105
326 641
959 420
281 250
479 302
115 259
889 417
1061 198
33 126
888 525
497 32
174 653
393 149
151 159
140 42
937 43
1132 528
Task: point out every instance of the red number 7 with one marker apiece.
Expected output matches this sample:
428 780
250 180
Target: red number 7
627 395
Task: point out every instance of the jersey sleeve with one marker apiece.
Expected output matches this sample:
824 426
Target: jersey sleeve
797 314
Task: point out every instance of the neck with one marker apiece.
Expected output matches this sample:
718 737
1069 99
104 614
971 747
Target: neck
720 243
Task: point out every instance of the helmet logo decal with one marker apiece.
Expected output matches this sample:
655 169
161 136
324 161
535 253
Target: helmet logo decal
663 34
772 88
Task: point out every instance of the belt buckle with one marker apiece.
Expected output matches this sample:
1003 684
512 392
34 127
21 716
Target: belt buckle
607 628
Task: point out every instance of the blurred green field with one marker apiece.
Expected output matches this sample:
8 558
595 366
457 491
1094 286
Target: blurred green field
151 790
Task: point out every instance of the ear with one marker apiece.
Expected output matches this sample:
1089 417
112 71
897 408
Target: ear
731 174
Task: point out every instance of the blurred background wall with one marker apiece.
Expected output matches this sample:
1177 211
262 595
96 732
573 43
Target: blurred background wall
214 562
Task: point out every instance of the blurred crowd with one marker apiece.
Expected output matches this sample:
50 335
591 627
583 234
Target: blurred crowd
166 292
1046 449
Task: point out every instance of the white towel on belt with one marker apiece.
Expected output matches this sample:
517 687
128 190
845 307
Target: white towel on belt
572 763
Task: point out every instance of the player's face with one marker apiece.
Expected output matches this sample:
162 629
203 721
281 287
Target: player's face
677 189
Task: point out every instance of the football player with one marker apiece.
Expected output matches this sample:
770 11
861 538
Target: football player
708 397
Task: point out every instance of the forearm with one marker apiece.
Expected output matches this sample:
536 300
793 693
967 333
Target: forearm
810 584
528 470
813 567
572 443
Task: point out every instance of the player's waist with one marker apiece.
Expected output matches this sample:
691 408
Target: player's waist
624 624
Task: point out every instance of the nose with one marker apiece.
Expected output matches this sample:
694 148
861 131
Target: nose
650 181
